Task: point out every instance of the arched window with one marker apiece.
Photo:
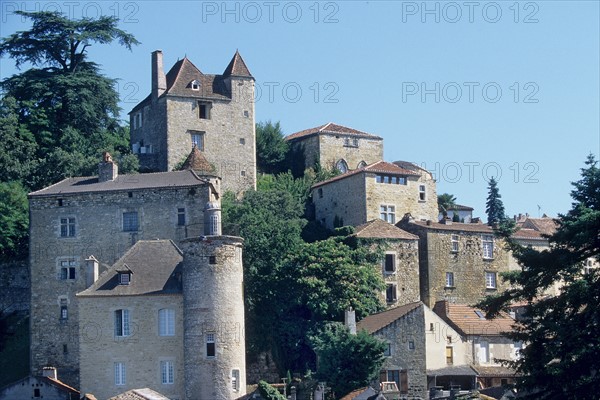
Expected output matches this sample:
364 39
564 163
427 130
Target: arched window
342 166
361 164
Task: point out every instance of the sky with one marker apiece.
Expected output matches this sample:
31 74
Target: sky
469 89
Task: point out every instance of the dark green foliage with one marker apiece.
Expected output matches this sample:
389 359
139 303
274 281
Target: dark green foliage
561 359
14 347
445 201
14 220
17 153
494 206
268 392
347 362
455 218
271 147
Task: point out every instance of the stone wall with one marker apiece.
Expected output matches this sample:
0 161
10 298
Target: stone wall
151 135
344 199
14 287
55 341
332 148
141 352
214 312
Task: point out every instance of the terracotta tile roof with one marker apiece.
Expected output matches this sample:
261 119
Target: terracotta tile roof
333 129
380 229
197 162
123 182
155 267
360 394
376 322
237 67
494 371
530 234
377 167
546 226
466 321
454 226
453 370
140 394
61 385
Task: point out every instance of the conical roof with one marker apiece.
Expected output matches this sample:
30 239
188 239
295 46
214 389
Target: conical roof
197 162
237 67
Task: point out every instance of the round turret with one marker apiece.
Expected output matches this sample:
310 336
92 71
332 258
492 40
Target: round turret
212 218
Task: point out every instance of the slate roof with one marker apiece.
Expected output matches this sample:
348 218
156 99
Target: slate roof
332 129
380 229
140 394
237 67
455 226
156 180
197 162
155 267
465 320
376 322
377 167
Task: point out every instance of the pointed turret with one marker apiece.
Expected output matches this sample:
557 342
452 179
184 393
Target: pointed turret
197 162
237 67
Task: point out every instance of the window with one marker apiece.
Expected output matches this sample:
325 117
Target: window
411 345
361 164
488 246
422 193
210 345
119 373
204 110
166 322
388 350
195 84
36 393
320 191
347 142
64 313
130 221
449 355
181 216
68 269
394 180
235 379
166 373
589 265
67 227
122 323
342 166
449 279
454 242
243 173
212 259
124 278
389 263
388 213
483 352
60 202
390 293
400 377
490 280
242 141
448 339
197 140
355 142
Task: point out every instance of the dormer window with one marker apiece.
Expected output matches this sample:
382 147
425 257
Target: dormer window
195 84
125 275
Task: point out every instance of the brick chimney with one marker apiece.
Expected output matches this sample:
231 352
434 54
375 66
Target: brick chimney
91 271
50 372
107 169
159 80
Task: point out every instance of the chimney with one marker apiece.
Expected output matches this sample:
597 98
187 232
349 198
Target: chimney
350 320
107 169
91 271
447 221
159 80
49 372
212 219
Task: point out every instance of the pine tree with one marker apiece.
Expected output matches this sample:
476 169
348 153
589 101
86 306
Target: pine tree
493 206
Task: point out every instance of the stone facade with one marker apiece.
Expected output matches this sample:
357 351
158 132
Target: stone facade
214 112
45 387
331 144
458 249
80 217
360 195
14 287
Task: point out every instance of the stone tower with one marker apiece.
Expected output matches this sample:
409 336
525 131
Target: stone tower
187 108
213 307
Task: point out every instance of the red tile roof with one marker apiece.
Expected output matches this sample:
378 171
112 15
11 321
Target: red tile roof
377 167
546 226
466 321
380 229
455 226
529 234
197 162
334 129
376 322
61 385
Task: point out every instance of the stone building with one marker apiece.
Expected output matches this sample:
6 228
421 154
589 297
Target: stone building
47 386
422 350
379 190
333 145
464 213
101 216
400 263
485 342
186 108
458 262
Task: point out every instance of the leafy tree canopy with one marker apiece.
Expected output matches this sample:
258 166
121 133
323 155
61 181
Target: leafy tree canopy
271 147
445 202
14 219
561 358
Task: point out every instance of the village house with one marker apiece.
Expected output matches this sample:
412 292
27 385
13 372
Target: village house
46 386
458 262
336 146
379 190
463 213
100 216
188 108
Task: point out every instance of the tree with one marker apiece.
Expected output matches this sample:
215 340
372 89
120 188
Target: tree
17 153
14 219
271 147
561 359
346 361
445 202
493 206
70 108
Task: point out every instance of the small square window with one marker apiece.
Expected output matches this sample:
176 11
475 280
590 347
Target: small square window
388 350
124 278
411 345
243 173
212 259
242 141
246 113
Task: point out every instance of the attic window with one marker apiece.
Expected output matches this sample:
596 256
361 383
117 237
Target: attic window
195 84
124 278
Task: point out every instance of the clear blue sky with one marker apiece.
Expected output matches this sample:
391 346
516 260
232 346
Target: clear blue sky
468 90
